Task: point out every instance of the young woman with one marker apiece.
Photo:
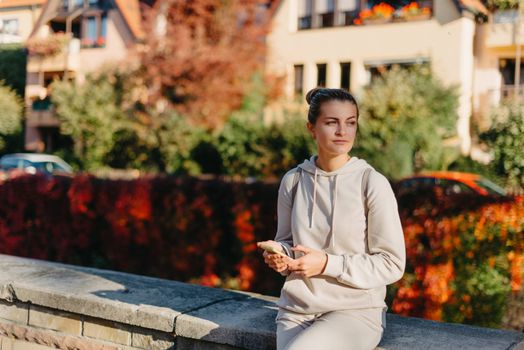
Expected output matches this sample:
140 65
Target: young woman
340 232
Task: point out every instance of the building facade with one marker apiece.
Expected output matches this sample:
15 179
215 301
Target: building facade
497 47
17 19
71 39
337 44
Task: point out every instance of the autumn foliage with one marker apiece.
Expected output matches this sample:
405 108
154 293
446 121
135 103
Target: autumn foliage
200 55
463 258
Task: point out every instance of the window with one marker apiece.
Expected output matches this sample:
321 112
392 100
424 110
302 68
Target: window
103 29
305 8
345 75
9 26
94 31
74 4
298 88
321 74
507 70
348 11
325 10
91 29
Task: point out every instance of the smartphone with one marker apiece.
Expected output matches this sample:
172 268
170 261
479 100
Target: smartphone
270 249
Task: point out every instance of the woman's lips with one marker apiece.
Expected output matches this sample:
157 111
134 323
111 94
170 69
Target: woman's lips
340 141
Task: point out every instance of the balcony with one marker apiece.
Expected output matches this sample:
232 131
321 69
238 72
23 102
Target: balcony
495 97
49 56
380 13
41 114
68 7
502 29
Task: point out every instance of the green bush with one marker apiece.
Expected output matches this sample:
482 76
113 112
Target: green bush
506 140
405 115
90 115
13 60
247 147
488 289
10 119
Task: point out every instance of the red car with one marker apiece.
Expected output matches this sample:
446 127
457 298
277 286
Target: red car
448 183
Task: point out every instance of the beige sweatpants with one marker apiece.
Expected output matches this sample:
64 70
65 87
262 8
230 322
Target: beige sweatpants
359 329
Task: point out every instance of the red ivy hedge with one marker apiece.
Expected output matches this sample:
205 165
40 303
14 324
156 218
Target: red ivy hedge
464 255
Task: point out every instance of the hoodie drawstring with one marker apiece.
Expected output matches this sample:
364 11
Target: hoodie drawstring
333 215
314 199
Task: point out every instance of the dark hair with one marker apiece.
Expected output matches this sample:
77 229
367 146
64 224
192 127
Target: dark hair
317 96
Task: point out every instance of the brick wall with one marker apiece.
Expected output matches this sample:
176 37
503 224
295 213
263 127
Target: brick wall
23 326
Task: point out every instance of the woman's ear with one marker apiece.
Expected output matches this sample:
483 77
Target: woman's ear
311 129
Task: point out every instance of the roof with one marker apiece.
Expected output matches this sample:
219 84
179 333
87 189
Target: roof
474 6
130 10
18 3
451 175
33 156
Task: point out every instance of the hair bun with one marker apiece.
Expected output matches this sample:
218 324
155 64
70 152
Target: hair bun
312 93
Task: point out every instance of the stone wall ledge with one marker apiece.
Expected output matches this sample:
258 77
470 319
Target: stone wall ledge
54 305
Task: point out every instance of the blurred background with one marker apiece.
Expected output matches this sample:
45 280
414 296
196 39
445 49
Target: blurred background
150 136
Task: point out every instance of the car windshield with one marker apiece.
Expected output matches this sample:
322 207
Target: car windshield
490 187
49 167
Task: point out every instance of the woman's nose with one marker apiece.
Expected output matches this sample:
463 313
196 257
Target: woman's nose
341 130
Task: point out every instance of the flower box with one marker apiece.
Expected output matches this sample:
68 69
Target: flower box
372 21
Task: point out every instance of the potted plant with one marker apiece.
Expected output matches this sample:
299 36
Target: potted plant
413 12
101 41
502 4
48 46
87 42
381 13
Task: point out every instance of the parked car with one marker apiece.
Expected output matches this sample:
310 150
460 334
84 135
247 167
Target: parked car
32 163
444 192
448 183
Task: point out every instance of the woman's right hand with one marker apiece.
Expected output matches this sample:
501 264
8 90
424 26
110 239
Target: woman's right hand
277 262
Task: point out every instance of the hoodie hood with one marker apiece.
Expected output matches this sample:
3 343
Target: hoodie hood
352 164
309 166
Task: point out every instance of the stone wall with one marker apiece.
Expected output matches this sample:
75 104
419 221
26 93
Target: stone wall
55 306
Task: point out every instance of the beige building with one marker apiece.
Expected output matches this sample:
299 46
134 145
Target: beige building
496 45
333 43
71 39
17 19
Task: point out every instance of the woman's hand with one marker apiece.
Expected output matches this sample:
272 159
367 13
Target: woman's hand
277 262
312 263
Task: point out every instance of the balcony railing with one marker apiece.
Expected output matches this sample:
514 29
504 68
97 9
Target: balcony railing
505 16
42 117
378 14
59 59
510 92
502 29
71 5
42 105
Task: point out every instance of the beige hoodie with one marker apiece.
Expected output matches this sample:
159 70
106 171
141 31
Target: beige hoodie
328 214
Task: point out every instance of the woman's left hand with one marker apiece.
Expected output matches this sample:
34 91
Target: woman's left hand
312 263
